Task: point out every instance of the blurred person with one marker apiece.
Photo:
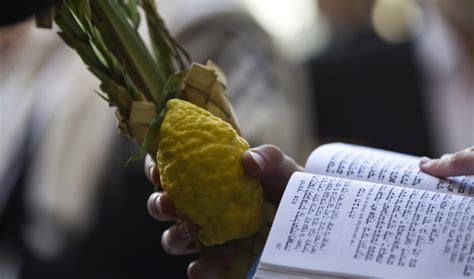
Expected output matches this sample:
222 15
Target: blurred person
70 209
415 96
345 17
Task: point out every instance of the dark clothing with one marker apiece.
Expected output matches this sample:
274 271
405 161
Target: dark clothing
369 92
19 10
126 241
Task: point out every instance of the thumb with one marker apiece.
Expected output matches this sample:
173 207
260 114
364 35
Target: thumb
272 167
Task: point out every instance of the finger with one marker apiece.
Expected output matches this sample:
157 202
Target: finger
181 239
211 263
151 171
272 166
161 207
460 163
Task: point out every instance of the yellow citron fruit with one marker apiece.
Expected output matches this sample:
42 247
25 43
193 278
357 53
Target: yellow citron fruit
200 164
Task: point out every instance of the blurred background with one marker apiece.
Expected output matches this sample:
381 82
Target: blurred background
309 24
393 74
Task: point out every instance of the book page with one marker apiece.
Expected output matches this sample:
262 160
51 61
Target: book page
380 166
332 226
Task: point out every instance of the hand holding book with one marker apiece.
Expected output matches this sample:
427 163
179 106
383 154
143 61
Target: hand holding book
359 211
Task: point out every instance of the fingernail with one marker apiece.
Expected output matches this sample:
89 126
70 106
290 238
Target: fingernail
424 161
153 177
158 203
258 159
183 230
150 171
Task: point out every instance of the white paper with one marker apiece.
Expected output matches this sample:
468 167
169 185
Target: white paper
380 166
335 226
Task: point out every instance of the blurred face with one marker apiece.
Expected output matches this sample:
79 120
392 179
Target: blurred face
343 14
11 33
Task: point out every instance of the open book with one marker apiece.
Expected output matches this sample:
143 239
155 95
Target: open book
363 212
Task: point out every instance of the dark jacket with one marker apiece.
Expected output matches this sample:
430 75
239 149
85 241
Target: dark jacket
369 91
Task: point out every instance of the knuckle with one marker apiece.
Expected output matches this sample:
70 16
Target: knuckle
200 270
192 270
457 159
167 243
175 236
148 165
273 148
446 156
149 172
155 207
151 204
273 154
